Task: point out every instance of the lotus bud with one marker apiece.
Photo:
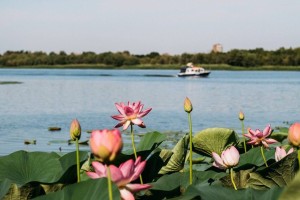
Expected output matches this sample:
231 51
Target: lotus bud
241 116
188 107
229 158
106 144
75 130
294 134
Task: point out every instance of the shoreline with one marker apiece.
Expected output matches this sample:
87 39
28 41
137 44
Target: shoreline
157 67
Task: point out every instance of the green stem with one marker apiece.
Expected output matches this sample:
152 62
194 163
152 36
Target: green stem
77 160
263 155
232 180
133 147
132 141
191 148
110 194
298 156
243 128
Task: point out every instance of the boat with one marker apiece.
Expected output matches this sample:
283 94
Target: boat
191 70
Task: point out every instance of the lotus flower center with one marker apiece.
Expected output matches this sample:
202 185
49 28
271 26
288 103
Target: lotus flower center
129 113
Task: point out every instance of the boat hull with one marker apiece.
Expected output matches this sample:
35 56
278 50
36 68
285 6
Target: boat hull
203 74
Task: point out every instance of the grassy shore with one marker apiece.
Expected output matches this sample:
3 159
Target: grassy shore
163 67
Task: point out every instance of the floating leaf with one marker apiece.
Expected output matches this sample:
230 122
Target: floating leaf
27 191
54 128
279 136
206 192
90 189
176 162
23 167
279 174
253 157
151 141
240 179
168 182
214 140
292 192
259 182
4 187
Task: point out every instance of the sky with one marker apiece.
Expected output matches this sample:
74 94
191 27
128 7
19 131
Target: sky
145 26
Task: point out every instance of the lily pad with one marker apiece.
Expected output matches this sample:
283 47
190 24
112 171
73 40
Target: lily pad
9 82
90 189
23 167
214 140
177 159
54 128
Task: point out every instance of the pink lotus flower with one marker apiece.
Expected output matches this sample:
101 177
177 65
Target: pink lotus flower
229 158
122 176
257 137
294 134
281 153
106 144
130 114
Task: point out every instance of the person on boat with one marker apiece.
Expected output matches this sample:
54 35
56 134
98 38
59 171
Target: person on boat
190 64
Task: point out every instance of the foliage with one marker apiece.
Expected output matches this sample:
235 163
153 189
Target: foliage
41 175
246 59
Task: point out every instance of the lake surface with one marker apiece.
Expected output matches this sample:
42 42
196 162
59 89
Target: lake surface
53 97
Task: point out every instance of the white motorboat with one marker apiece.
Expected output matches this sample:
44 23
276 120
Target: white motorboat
191 70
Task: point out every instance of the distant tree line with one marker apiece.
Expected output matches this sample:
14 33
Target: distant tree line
236 57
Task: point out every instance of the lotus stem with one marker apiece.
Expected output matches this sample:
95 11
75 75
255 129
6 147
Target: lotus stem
133 147
191 147
243 128
110 194
263 155
232 180
77 160
298 151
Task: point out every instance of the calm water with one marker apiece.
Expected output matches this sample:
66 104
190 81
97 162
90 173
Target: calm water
55 97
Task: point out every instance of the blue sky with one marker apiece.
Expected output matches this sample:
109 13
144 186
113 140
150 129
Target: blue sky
144 26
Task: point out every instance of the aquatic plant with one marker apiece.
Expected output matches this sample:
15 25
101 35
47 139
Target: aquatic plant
75 134
242 118
122 176
106 144
109 171
131 114
280 153
229 158
294 134
188 107
259 137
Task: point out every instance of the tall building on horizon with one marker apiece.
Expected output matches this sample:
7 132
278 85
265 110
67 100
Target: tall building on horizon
217 48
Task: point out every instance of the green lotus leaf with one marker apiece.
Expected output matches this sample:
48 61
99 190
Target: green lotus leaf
279 174
23 167
259 182
253 157
27 191
151 141
240 179
90 189
214 140
292 192
177 159
206 192
4 187
279 136
167 182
